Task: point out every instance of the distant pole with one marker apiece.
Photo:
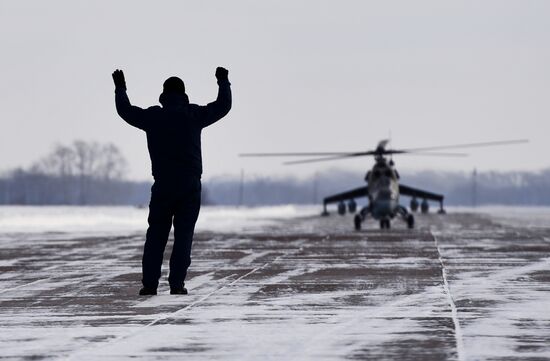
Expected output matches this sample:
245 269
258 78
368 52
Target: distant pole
25 190
315 187
7 191
241 189
474 188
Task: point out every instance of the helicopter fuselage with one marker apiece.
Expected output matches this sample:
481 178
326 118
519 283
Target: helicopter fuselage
383 189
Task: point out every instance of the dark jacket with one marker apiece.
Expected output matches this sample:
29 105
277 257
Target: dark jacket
174 130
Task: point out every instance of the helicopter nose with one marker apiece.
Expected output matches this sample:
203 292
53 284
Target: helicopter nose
383 208
384 195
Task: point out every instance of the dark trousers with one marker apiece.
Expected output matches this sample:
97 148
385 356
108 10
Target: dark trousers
171 202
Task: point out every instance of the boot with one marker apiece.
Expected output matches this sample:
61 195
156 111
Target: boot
178 289
146 291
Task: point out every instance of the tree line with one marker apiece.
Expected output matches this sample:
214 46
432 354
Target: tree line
459 188
91 173
79 173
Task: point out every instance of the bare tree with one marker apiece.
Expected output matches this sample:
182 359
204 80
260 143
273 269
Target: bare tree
112 164
86 158
79 173
64 160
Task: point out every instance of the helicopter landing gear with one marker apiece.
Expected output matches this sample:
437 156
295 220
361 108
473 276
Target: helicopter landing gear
325 212
357 220
441 209
360 217
385 224
407 217
410 221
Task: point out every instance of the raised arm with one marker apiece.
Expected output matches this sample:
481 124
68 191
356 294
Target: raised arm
133 115
216 110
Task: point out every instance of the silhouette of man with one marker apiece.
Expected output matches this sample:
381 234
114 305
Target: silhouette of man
174 143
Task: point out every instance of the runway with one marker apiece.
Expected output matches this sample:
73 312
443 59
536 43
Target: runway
462 286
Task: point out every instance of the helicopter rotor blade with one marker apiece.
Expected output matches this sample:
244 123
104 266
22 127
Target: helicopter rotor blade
327 158
467 145
437 154
313 160
425 151
309 154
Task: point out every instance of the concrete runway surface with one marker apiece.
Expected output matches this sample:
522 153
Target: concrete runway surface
459 287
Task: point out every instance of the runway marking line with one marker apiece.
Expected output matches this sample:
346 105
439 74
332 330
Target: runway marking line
23 285
454 311
34 282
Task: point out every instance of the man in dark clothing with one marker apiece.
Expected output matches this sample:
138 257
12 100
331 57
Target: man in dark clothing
174 143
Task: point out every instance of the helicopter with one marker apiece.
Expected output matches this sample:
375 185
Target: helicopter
383 187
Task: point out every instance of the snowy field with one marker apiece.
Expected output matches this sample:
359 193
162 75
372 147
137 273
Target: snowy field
278 283
121 220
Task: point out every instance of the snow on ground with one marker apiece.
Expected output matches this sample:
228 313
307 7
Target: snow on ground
278 283
99 220
532 217
123 219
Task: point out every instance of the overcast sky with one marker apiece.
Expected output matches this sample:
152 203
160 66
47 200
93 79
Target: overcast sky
306 76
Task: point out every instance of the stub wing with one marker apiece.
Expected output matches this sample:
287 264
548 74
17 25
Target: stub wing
354 193
419 193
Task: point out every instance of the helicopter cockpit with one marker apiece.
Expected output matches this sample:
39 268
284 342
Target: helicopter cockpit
381 171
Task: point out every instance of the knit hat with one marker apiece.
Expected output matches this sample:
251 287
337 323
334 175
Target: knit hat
174 85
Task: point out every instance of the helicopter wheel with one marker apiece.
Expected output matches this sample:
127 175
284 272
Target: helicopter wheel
385 224
410 221
357 222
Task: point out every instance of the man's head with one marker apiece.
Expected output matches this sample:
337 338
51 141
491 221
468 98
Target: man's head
174 85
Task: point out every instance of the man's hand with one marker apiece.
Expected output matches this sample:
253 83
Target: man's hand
221 73
118 78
